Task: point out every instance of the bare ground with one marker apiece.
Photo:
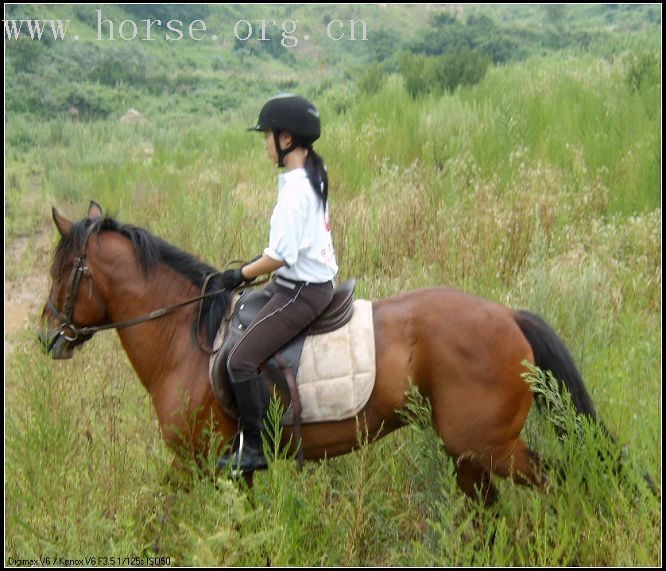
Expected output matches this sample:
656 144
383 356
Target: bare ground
25 295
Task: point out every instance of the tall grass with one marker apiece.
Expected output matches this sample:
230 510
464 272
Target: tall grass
538 188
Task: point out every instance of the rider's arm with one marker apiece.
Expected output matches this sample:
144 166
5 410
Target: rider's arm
264 265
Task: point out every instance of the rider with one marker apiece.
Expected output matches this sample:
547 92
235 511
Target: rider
300 248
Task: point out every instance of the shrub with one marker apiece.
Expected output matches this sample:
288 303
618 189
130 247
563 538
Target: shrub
443 73
463 67
25 54
502 49
124 63
418 73
384 44
93 101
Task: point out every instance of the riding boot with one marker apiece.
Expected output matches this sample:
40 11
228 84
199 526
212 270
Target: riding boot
252 400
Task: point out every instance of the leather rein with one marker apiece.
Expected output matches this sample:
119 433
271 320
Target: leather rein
85 333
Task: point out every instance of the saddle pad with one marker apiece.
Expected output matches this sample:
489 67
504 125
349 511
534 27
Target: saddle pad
336 374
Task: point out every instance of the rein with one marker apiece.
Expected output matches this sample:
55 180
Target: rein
86 333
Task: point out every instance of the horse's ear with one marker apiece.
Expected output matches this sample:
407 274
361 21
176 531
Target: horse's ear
62 224
94 211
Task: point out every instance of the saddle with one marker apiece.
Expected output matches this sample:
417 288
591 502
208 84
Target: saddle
282 368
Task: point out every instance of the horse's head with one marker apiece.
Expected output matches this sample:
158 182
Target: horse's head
73 303
103 268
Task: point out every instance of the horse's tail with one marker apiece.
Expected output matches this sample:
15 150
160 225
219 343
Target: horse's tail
551 354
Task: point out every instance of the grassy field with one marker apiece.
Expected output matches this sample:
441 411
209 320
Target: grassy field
539 188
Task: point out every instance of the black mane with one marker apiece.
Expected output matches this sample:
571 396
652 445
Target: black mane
151 250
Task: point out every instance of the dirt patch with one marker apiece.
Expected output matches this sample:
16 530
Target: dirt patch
25 295
17 315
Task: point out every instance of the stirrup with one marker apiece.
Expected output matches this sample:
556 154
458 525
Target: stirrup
232 458
235 460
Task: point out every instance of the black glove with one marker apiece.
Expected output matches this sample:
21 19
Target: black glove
231 279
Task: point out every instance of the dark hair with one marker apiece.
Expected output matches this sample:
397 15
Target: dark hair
317 173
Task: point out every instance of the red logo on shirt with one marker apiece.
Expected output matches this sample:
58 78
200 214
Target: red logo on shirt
327 224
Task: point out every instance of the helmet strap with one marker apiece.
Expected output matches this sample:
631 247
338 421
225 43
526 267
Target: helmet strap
282 153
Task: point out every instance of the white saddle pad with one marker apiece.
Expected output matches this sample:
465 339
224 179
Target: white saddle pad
336 374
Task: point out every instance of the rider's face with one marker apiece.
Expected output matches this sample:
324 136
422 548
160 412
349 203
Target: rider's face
271 151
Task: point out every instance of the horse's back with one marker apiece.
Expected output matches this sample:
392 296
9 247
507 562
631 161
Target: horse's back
442 314
454 346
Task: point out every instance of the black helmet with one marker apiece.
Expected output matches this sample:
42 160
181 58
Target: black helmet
293 114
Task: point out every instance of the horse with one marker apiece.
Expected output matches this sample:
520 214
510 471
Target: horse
465 354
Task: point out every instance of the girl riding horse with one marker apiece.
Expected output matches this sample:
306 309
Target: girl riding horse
300 248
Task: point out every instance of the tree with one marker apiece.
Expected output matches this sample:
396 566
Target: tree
463 67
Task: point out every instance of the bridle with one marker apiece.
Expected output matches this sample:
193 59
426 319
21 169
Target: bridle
66 319
72 332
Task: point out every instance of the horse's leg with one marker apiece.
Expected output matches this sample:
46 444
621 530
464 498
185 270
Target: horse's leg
474 480
483 434
516 461
470 369
476 461
249 479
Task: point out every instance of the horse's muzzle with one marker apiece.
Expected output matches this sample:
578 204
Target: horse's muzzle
55 344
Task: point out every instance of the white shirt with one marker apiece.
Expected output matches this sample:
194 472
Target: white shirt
300 232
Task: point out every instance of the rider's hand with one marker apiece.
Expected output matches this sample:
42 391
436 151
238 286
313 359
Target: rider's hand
231 279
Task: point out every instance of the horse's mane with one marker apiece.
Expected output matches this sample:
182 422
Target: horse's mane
150 250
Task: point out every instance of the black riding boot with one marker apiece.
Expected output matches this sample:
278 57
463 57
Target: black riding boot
252 399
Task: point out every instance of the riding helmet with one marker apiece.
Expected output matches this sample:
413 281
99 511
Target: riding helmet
290 113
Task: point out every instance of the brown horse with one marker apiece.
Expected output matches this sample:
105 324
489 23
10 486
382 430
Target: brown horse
464 353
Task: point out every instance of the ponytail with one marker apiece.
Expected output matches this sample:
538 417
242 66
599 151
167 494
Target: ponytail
318 175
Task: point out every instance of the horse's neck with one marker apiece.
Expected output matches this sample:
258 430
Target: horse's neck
158 349
162 351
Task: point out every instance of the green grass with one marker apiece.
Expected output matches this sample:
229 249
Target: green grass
538 188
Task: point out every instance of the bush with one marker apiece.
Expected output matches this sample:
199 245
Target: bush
464 67
25 54
165 12
121 64
93 101
502 49
384 44
21 97
443 73
87 14
418 73
47 96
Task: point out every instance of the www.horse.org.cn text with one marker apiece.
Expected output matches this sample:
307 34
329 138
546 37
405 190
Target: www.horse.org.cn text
288 32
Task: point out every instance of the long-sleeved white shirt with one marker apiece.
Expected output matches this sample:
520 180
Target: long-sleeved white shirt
300 232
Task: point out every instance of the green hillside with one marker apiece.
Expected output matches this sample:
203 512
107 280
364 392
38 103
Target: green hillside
140 68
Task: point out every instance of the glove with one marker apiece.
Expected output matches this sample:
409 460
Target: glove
231 279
